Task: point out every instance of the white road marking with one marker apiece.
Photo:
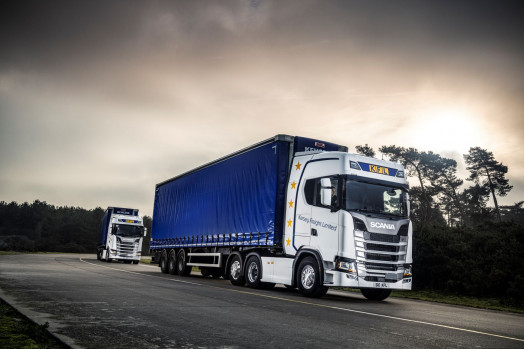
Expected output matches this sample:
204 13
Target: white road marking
315 304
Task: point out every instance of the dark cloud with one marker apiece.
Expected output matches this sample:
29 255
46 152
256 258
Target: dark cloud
80 77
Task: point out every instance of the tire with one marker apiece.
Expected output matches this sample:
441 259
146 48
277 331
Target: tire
253 272
108 260
127 262
163 262
182 268
135 262
98 252
235 271
308 279
375 294
205 271
171 263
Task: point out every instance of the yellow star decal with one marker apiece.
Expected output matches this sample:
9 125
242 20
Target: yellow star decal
298 165
293 185
291 204
288 242
289 223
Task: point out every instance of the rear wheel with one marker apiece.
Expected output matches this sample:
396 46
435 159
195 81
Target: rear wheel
171 263
163 262
235 271
375 294
182 268
253 272
308 278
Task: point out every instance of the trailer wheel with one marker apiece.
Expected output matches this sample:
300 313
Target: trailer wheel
171 263
163 262
235 271
375 294
308 278
182 268
253 272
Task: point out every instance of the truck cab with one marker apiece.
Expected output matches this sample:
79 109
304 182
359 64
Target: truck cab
350 214
121 233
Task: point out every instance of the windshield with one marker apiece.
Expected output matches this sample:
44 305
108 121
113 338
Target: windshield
375 198
127 230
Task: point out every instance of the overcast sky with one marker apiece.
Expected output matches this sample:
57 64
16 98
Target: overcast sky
101 100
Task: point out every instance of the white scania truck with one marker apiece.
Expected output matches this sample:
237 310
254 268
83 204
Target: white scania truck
289 210
121 235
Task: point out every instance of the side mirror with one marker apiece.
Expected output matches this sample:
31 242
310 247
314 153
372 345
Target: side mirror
325 191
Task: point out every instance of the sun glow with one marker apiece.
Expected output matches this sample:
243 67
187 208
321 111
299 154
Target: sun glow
448 130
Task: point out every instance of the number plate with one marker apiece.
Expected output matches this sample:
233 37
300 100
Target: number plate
381 285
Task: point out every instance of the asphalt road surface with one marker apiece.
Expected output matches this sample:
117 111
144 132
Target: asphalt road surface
92 304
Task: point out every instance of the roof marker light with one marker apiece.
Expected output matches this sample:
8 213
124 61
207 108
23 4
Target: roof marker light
354 165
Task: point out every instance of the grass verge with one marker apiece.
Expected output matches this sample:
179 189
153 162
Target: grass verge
17 331
441 297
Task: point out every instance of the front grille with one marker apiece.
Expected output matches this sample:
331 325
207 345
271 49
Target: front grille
385 267
125 248
384 248
381 257
382 237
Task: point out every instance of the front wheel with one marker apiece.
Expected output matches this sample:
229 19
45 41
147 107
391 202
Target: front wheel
235 271
375 294
108 260
308 279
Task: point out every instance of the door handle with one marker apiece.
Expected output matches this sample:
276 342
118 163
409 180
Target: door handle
314 232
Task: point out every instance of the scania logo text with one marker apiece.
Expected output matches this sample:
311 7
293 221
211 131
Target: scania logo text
382 225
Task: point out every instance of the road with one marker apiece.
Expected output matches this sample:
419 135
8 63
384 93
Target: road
92 304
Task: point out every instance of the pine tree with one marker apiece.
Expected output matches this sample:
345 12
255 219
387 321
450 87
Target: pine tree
489 173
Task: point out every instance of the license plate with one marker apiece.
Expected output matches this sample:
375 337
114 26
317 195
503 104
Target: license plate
381 285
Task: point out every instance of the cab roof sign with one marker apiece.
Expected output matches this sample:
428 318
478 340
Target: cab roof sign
386 171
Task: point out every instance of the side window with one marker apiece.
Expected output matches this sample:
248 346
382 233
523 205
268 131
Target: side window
313 192
309 191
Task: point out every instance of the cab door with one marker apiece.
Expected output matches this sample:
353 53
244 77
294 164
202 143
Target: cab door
324 222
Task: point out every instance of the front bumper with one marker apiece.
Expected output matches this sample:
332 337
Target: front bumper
342 279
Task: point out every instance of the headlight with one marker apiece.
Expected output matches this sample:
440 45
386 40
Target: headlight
347 265
407 271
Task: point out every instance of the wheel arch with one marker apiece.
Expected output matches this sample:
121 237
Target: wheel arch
303 253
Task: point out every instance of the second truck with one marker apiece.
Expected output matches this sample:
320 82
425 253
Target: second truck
289 210
120 236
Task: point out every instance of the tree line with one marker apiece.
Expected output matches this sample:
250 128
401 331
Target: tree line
41 227
461 245
438 197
